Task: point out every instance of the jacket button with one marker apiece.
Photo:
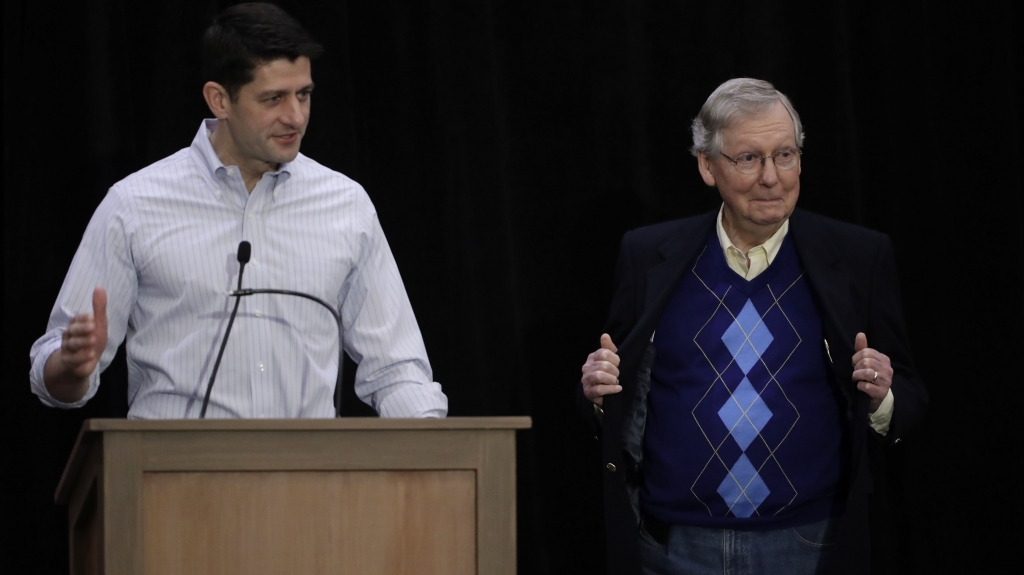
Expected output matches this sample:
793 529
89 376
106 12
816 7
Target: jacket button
610 467
897 441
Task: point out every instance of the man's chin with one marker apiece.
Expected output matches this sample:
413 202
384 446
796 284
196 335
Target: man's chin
773 219
286 156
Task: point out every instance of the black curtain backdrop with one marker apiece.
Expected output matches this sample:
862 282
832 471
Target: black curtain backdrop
507 147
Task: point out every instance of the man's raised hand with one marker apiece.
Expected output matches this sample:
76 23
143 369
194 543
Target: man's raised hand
871 370
601 372
67 371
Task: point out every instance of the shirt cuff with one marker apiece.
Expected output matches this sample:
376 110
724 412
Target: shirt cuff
41 354
883 415
411 399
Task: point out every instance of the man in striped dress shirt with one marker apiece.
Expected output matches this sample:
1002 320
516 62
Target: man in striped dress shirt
158 259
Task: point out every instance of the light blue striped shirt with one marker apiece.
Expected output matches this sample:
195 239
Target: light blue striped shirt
163 243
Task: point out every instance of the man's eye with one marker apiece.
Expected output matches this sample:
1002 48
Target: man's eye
273 99
785 154
745 158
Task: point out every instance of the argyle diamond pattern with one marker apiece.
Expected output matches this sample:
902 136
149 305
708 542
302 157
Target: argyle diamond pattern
744 413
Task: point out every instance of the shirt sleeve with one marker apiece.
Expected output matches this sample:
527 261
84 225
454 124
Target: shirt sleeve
103 259
880 419
382 336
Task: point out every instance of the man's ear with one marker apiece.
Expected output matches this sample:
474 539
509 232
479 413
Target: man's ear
704 165
217 99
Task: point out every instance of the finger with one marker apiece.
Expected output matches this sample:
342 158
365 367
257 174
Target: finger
81 360
604 355
608 367
82 363
76 342
596 392
866 374
869 363
873 391
860 342
595 365
80 325
606 343
99 307
599 378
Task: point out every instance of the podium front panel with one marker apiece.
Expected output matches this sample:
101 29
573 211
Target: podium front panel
366 497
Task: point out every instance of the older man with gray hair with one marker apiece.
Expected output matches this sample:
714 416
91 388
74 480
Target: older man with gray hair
760 348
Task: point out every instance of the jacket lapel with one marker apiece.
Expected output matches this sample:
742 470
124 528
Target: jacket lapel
678 253
831 285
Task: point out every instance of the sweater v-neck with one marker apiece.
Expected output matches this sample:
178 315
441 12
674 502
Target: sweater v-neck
743 285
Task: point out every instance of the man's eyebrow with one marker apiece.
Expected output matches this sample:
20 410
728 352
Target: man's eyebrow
270 93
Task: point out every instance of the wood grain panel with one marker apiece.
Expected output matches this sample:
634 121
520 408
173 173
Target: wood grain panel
364 522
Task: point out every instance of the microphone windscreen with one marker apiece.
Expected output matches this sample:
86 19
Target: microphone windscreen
244 252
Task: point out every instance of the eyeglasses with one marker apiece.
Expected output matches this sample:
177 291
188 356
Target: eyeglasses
748 163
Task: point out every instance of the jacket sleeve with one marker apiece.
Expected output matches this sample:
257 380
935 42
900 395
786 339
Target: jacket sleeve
621 317
887 333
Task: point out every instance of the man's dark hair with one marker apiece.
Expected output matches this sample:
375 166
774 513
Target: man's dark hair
245 36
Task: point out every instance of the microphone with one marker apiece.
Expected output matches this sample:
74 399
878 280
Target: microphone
244 253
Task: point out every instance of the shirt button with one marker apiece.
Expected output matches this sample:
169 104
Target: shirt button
610 467
259 313
250 215
261 369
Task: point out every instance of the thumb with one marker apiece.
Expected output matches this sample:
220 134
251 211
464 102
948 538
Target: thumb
861 342
606 343
99 307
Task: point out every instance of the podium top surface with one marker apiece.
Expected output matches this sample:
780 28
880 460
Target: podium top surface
341 423
97 427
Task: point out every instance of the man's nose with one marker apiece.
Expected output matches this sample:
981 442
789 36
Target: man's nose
769 173
294 114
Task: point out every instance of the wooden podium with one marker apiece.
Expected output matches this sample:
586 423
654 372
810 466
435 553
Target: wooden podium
360 496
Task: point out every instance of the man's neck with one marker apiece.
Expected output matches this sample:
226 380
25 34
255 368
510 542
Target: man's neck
745 238
251 170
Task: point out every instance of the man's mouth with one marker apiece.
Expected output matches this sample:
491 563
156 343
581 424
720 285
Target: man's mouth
287 138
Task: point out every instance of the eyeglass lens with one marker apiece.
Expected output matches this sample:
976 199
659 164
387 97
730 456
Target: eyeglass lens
784 160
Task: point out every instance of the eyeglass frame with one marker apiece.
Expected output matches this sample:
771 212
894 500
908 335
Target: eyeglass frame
735 163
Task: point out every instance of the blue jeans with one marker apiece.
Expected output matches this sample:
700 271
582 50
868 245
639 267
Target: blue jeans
701 550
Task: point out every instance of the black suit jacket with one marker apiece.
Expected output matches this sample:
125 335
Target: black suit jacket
852 275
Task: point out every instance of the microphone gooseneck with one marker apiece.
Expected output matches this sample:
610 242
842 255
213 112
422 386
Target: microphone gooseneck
239 293
244 253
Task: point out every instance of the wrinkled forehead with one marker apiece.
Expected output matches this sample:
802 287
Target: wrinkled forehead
774 120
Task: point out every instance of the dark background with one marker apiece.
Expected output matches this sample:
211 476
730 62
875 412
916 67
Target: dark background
507 146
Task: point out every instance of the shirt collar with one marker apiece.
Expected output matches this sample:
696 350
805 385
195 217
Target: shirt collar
216 169
771 245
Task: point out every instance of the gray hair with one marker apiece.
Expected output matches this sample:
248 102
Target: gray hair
736 99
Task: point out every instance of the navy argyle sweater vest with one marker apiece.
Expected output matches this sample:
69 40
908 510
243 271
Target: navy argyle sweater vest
745 423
